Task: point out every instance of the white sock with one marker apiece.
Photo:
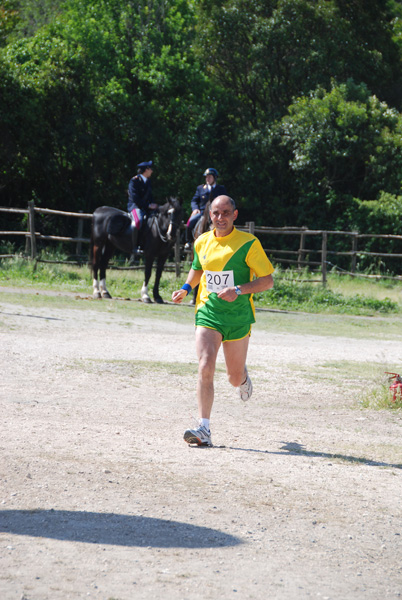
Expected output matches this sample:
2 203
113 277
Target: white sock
205 423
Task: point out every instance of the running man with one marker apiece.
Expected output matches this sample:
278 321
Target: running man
230 266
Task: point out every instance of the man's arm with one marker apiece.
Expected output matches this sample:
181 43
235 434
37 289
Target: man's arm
261 284
193 279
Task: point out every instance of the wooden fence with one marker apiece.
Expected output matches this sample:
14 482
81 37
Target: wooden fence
297 257
32 235
288 257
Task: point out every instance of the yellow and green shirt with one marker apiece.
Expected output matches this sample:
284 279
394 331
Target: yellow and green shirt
227 261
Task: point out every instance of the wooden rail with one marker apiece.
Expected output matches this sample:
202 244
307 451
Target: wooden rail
289 257
32 235
303 232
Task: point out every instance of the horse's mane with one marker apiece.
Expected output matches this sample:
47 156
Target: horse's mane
172 201
163 210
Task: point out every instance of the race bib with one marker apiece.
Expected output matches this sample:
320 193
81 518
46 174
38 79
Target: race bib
219 280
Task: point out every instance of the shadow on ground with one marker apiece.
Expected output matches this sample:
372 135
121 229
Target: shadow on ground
294 449
31 316
110 528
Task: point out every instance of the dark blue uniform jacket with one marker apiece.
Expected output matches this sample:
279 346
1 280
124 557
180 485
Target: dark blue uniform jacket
202 195
139 194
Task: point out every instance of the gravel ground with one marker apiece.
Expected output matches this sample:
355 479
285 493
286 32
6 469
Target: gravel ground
100 496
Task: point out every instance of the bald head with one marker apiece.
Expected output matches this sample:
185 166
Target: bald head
223 213
224 199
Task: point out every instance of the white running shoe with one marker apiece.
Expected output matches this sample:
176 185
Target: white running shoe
245 389
200 436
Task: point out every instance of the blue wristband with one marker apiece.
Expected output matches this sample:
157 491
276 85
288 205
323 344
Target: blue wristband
187 287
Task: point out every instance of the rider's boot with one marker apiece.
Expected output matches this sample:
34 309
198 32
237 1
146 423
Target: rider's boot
134 243
188 244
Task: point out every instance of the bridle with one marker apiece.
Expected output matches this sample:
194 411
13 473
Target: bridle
168 238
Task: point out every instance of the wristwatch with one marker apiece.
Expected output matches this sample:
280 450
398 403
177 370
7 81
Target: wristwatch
237 290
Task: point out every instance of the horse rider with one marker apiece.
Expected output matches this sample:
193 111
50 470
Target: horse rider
140 200
204 193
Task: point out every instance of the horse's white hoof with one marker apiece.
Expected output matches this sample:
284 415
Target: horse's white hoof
97 295
106 294
147 300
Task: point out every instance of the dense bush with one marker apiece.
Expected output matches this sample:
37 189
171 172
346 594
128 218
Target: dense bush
269 92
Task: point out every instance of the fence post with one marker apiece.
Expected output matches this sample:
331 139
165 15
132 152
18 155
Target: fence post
300 254
251 226
177 253
27 238
31 208
80 231
324 257
354 252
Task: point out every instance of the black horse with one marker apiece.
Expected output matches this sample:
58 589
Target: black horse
112 228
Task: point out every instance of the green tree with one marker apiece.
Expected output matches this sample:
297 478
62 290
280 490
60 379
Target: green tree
9 19
112 83
87 89
343 144
22 18
265 53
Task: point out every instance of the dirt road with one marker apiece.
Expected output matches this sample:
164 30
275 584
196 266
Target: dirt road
101 498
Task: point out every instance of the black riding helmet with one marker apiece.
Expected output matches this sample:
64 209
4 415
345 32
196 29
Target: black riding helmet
211 171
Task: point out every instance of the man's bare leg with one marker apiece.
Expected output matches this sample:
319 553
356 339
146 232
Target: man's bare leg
235 357
207 343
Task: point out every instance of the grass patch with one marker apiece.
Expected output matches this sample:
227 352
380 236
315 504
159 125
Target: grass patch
24 273
379 397
387 327
134 368
292 290
334 325
345 372
381 289
369 377
119 311
340 372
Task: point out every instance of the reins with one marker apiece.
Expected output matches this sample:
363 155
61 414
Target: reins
162 237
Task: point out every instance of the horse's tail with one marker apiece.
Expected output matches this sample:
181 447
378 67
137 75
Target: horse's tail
91 247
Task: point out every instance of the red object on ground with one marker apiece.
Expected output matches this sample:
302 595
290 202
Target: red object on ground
396 386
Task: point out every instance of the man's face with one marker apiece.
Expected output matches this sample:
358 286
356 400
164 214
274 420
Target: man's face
222 215
210 179
148 172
